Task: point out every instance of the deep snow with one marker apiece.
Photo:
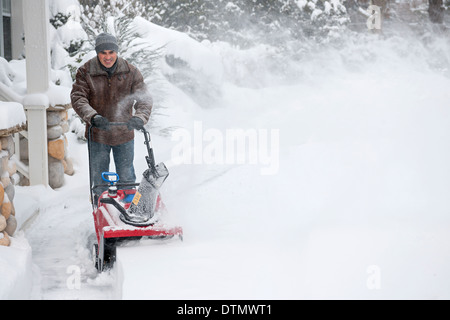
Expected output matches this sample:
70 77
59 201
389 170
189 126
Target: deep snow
358 207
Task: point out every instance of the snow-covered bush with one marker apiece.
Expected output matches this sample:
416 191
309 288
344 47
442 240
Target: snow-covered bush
249 22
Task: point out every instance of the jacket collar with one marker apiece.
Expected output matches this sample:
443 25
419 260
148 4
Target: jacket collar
95 68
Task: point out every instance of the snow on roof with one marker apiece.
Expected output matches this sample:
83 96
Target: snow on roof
12 115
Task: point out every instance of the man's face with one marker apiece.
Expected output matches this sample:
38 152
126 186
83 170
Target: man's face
107 58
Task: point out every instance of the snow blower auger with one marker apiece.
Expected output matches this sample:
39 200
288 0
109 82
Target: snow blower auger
122 213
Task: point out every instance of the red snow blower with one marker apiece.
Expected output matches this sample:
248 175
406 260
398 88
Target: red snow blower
122 213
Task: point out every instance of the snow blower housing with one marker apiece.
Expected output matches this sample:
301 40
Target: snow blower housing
123 213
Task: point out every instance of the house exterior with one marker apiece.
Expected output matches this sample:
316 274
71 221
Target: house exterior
11 27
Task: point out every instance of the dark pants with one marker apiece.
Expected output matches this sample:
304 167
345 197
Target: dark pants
123 159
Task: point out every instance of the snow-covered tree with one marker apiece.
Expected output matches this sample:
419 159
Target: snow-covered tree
247 22
116 17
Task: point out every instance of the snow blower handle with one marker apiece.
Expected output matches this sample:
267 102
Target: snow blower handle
151 156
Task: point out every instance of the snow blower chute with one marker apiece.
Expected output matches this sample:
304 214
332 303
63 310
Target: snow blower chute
122 213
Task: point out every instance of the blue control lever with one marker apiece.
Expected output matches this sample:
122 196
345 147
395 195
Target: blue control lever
111 177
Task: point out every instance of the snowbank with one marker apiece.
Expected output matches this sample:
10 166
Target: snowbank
199 56
16 262
16 282
358 209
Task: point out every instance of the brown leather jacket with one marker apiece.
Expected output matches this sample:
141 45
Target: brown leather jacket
95 93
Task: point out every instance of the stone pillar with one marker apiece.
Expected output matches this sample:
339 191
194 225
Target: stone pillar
58 159
8 179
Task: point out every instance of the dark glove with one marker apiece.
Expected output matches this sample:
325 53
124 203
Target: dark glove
135 123
100 122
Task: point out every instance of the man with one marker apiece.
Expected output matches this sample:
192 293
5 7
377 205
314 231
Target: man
105 91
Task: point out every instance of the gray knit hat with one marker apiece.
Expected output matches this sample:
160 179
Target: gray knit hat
106 41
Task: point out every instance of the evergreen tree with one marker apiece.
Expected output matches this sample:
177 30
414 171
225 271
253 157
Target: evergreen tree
116 17
247 22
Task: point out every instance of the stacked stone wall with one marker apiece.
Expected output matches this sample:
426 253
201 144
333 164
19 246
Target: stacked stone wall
9 178
59 162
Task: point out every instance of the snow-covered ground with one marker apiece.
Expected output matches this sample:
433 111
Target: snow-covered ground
342 194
